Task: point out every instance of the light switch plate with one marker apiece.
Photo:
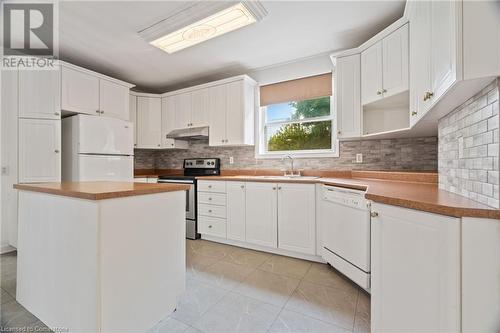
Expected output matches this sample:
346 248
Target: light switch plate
359 158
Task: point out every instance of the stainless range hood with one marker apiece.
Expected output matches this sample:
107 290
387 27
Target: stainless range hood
194 133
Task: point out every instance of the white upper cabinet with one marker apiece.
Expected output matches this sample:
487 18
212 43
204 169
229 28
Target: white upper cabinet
395 62
346 96
39 150
297 218
79 91
149 124
133 115
415 277
200 100
371 73
384 67
39 94
261 214
168 116
231 112
181 105
236 213
113 100
217 115
83 91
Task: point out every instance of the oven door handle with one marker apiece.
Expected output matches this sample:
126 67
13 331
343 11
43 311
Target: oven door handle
175 181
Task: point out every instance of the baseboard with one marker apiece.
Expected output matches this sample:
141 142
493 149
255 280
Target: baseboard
264 249
6 248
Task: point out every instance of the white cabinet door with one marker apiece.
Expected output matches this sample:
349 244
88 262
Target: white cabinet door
261 214
235 202
200 101
181 106
235 113
415 271
39 150
168 124
79 91
347 86
420 59
217 115
297 218
148 122
371 74
443 46
113 100
39 94
395 62
133 115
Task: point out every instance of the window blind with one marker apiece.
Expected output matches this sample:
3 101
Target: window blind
296 90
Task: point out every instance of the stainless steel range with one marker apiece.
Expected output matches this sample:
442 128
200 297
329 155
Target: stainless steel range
193 168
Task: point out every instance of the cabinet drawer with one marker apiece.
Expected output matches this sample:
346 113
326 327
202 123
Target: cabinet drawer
212 198
212 210
212 226
212 186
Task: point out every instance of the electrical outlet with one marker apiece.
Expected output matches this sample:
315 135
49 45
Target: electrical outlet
359 158
231 160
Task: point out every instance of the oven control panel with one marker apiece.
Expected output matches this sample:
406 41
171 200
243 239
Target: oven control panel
202 163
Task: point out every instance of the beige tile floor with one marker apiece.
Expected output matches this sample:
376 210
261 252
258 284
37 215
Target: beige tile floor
230 289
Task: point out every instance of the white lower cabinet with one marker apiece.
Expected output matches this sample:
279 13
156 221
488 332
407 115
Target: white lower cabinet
415 271
261 214
39 150
297 218
236 198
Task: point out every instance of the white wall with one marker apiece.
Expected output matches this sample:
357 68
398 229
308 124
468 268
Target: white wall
315 65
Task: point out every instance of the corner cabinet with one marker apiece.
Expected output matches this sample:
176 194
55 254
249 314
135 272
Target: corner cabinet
347 100
415 281
231 113
39 150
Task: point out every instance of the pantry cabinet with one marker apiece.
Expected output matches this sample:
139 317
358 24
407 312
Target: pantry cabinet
415 271
39 150
297 218
346 96
39 94
83 91
384 67
236 211
149 122
261 214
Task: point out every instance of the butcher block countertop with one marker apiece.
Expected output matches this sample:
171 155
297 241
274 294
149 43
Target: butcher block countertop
405 189
100 190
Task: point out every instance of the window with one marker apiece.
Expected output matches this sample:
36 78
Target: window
301 127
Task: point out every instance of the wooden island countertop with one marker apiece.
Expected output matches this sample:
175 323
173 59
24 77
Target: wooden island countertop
100 190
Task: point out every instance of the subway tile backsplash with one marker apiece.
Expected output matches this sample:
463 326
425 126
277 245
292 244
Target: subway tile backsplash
469 148
392 154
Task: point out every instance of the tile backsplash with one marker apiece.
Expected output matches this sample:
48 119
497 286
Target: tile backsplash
469 148
391 154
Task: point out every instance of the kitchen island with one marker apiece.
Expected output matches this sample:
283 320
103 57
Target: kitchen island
101 256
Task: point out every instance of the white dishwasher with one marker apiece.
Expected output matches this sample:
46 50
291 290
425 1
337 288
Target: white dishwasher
345 224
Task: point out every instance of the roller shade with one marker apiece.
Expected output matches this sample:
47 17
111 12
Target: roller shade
296 90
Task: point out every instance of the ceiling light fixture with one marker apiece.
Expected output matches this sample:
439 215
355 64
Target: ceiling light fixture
217 19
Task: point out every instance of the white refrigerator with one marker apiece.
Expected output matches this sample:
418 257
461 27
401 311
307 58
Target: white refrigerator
96 148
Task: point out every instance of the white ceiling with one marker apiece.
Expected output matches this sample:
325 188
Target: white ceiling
102 36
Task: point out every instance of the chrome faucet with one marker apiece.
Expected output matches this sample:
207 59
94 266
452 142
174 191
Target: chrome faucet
292 171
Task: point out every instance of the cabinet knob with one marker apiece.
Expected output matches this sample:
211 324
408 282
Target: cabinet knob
414 113
172 144
209 210
209 186
242 186
379 93
339 132
384 91
374 214
158 145
210 226
102 112
97 111
56 113
209 199
274 188
135 144
56 151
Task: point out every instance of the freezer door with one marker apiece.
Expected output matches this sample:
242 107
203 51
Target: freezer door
102 167
102 135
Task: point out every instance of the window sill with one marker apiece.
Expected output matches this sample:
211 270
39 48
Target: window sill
278 156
